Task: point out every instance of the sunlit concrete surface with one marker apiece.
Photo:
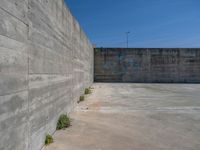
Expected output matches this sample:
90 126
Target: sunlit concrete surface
135 117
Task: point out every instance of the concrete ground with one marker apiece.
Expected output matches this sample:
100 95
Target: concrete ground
135 117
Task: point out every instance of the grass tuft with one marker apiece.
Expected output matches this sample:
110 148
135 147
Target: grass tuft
63 122
81 99
88 91
48 140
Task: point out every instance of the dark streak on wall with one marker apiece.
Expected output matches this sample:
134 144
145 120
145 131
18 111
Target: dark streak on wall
147 65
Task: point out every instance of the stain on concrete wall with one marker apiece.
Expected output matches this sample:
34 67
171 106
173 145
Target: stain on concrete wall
143 65
46 61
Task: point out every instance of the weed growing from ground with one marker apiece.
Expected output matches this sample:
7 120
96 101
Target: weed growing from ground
48 140
81 99
63 122
88 91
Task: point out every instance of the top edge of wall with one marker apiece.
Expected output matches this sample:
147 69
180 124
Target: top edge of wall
81 29
117 48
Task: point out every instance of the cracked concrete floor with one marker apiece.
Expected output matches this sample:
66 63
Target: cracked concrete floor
135 117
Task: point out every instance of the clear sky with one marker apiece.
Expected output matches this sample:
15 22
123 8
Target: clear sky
152 23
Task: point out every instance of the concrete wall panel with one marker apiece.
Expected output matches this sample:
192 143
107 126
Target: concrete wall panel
169 65
13 66
12 27
46 62
17 8
13 121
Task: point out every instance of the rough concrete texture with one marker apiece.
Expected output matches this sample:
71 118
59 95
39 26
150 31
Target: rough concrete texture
46 61
144 65
135 117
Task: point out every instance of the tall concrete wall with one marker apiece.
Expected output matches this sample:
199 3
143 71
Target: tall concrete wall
46 61
147 65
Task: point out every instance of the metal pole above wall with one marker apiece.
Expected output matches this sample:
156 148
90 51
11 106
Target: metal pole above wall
127 40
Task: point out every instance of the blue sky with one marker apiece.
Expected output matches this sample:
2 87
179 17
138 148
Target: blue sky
152 23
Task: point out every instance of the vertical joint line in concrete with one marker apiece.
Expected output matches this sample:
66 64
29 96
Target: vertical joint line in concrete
28 59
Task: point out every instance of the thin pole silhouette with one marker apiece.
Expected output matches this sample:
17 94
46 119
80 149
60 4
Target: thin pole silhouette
127 38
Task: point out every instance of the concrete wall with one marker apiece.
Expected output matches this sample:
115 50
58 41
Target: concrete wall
147 65
46 61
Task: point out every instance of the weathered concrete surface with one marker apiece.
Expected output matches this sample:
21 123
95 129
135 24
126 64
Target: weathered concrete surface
144 65
135 117
46 61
